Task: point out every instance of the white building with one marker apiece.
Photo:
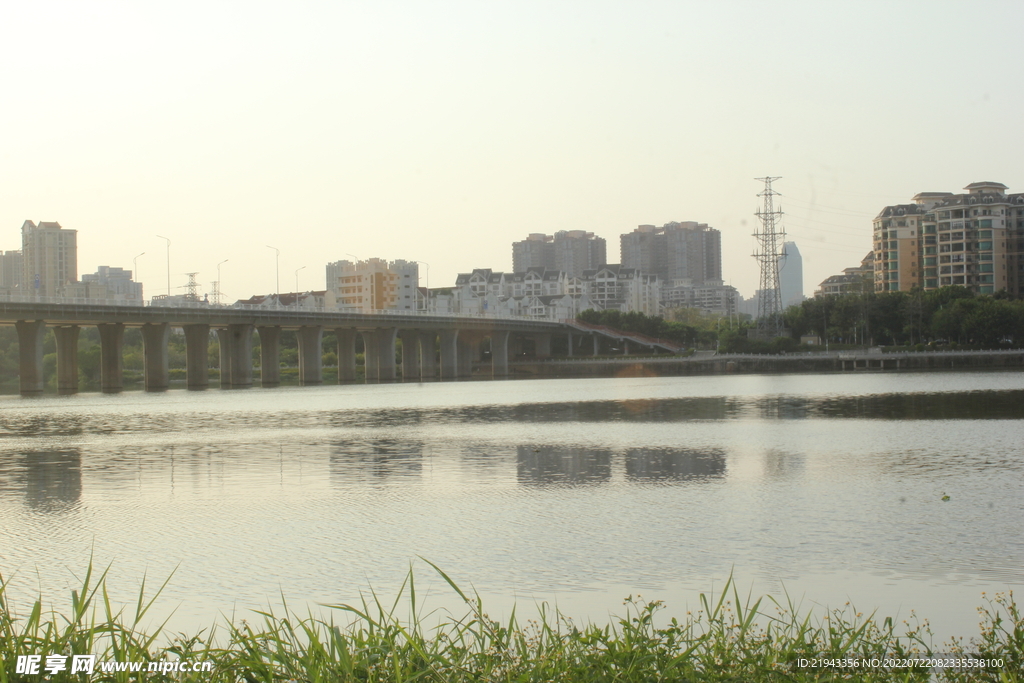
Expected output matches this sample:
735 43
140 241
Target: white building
613 286
711 298
374 285
117 284
10 271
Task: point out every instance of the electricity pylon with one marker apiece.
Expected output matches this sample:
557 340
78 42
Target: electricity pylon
770 254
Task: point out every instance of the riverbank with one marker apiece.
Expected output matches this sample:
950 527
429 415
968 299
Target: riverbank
709 363
728 638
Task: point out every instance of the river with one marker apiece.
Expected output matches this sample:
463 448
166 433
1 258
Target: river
896 492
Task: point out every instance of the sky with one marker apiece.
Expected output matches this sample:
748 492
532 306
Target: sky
444 131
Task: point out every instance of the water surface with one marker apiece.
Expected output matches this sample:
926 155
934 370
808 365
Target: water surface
828 487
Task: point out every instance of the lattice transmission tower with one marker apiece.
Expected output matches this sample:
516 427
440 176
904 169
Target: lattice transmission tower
770 255
192 288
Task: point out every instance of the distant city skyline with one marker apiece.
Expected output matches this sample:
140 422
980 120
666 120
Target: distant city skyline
445 132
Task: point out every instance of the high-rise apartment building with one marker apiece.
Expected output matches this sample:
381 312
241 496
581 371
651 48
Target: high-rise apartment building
374 284
974 240
791 275
10 270
49 258
536 251
568 251
579 250
687 253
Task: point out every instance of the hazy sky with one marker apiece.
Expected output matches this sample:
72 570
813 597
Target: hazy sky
444 131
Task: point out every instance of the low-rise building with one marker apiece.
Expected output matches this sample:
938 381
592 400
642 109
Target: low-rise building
856 280
719 299
117 281
322 300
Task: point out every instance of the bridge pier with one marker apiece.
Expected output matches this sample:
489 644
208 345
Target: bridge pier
542 345
410 355
346 354
155 361
224 342
499 354
386 354
67 358
449 353
270 355
428 355
371 356
467 350
597 344
311 364
197 356
235 356
111 363
30 352
569 335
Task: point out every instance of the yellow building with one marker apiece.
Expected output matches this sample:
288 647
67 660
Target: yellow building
374 284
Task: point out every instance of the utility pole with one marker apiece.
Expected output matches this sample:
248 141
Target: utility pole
168 264
769 256
277 263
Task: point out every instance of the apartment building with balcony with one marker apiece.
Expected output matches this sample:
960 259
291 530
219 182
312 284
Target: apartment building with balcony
974 239
49 258
374 285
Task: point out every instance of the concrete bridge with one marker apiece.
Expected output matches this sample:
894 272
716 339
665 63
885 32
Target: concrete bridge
432 345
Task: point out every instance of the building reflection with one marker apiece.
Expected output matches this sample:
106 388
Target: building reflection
51 480
546 465
375 460
779 464
679 464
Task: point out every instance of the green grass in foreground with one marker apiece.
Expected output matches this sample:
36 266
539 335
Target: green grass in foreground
727 639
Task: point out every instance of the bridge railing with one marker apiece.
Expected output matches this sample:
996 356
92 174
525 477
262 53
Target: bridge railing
205 305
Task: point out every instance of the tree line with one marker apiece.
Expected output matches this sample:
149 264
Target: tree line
946 316
941 316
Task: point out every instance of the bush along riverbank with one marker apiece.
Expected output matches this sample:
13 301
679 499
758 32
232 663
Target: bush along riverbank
727 639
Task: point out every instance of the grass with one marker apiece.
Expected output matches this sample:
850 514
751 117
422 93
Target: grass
726 639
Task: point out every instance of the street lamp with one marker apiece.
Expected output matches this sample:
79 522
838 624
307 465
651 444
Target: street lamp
297 280
428 284
278 272
135 272
220 290
168 265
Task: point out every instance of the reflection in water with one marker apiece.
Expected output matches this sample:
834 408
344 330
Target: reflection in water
375 460
528 487
674 464
782 464
542 465
51 480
